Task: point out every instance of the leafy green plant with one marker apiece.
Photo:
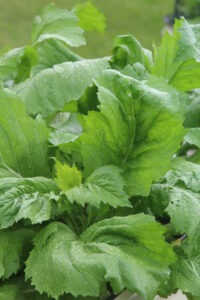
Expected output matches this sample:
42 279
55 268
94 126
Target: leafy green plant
99 164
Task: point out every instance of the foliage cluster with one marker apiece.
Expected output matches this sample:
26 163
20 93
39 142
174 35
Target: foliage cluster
99 164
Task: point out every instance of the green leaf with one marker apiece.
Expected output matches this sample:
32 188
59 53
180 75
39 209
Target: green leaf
186 274
158 200
179 197
184 204
27 61
187 76
67 128
23 143
15 245
8 63
193 137
89 18
15 65
177 59
60 24
182 189
51 89
129 252
127 51
16 289
105 185
192 117
185 172
26 198
67 177
138 128
52 52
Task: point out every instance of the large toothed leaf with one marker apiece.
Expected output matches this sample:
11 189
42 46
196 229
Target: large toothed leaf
48 91
105 185
23 141
26 198
129 252
58 24
184 211
181 200
178 57
138 128
185 276
185 172
14 248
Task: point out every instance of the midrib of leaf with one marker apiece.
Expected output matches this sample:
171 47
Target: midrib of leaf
130 147
8 168
14 153
175 71
42 24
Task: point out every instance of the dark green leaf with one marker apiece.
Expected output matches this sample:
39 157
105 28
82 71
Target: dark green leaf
17 289
15 245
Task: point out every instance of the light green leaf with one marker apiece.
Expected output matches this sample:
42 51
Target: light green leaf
193 137
15 65
52 52
51 89
138 128
105 185
14 248
129 252
187 76
59 137
127 51
23 142
67 177
178 57
89 17
60 24
9 62
27 61
26 198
